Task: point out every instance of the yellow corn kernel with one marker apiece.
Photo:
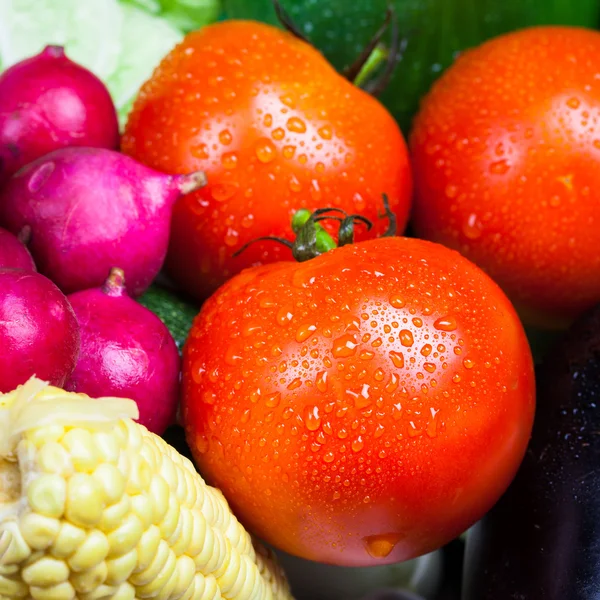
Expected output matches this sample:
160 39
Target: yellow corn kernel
93 550
39 532
69 538
85 500
101 509
80 444
47 495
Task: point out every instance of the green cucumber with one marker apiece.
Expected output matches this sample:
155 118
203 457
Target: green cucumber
434 31
174 311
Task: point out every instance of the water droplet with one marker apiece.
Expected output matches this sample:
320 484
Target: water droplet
417 322
413 431
268 120
367 355
231 237
245 416
397 301
381 545
265 150
229 160
456 378
472 227
296 125
284 316
223 191
304 332
499 167
468 363
379 430
225 137
40 176
273 400
406 338
429 367
321 381
397 411
329 457
312 419
554 201
199 151
378 375
287 100
278 134
426 350
573 103
325 132
295 185
357 444
451 191
445 324
397 359
359 202
294 384
392 384
289 151
344 346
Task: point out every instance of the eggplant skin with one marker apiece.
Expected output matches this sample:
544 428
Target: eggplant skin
541 541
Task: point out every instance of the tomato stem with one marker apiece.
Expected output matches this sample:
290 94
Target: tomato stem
373 62
287 23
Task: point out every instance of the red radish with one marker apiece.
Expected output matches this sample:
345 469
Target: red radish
49 102
126 351
90 209
39 334
13 253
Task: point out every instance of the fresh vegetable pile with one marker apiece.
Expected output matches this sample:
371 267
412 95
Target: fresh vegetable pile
236 284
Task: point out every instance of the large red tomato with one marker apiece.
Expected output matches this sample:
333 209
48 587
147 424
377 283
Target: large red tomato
506 153
276 129
363 407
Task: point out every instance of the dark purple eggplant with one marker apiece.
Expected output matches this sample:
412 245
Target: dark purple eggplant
542 539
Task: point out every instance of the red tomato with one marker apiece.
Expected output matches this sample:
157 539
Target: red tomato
276 129
363 407
506 155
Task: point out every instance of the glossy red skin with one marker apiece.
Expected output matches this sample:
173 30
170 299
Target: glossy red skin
506 156
91 209
276 129
13 253
48 102
127 352
341 454
39 334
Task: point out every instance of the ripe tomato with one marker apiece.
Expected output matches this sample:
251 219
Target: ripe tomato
276 129
363 407
506 153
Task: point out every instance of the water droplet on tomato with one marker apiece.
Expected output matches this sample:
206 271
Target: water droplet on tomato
357 444
445 324
359 202
472 227
397 359
296 125
278 133
295 185
344 346
573 103
304 332
426 350
456 378
225 137
265 150
321 381
406 338
245 417
554 201
429 367
378 375
312 419
289 151
329 457
229 160
397 301
231 237
381 545
379 430
199 151
284 316
397 411
499 167
223 191
273 400
468 363
325 132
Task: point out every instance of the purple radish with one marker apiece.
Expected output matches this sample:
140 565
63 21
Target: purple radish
49 102
126 351
39 334
89 209
13 253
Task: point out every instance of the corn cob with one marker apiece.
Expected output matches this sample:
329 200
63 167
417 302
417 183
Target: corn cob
92 506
